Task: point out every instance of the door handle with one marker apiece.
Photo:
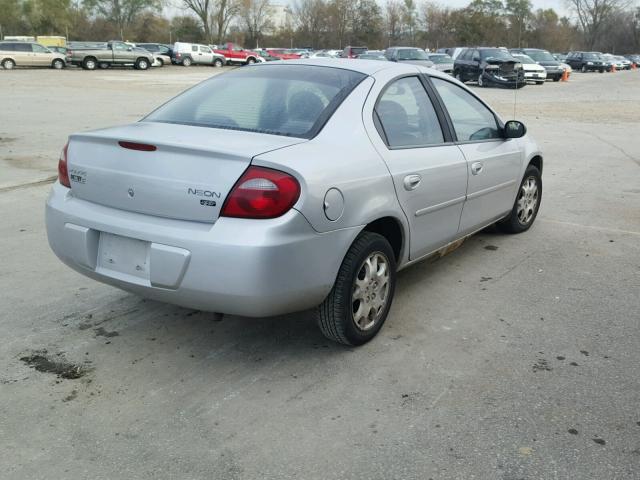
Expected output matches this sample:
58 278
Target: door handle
411 182
476 168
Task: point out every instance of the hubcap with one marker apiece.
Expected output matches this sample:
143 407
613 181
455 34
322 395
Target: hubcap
527 200
370 291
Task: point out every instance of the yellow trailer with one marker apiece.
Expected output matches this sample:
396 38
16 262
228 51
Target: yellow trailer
51 41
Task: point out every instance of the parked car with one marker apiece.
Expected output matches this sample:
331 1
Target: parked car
353 52
561 57
157 48
160 60
322 54
187 54
442 62
412 55
453 52
634 59
112 53
263 54
29 54
206 203
544 58
533 72
235 54
372 55
489 67
625 63
283 54
587 61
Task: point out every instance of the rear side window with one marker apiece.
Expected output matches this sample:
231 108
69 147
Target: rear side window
407 115
471 119
291 100
194 48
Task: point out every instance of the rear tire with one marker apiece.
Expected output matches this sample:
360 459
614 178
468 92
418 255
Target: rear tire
89 63
8 64
365 283
481 82
540 83
186 62
251 61
525 208
57 64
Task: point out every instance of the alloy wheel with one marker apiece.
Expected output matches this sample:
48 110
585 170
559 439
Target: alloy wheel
527 200
370 291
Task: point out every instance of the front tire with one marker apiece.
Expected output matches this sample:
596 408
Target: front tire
359 302
142 64
57 64
481 82
218 63
525 208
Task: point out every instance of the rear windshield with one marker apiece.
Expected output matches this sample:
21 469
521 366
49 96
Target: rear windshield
540 55
358 50
291 100
412 54
497 53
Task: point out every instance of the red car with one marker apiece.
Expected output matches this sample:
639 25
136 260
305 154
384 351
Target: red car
236 54
283 54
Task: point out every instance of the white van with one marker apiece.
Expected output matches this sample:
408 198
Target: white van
189 53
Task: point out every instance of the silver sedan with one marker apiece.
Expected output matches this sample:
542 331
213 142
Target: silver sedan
292 185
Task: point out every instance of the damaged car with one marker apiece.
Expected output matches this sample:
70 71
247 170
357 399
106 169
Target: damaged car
489 67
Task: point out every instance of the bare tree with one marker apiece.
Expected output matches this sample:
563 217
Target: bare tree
122 12
256 17
593 16
202 9
393 20
223 12
311 19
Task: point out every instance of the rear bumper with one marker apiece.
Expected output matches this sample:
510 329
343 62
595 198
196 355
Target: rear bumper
252 268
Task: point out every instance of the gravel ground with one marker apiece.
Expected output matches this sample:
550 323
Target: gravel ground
514 357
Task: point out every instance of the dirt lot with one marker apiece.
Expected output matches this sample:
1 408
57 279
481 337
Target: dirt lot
515 357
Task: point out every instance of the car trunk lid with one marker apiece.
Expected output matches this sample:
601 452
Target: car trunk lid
168 170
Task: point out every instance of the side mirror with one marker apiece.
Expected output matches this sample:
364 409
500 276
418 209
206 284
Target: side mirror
476 59
130 49
514 129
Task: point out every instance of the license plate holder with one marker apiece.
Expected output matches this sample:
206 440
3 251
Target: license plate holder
124 256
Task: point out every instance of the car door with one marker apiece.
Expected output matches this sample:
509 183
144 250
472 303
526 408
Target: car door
205 55
494 163
23 54
42 57
428 170
121 53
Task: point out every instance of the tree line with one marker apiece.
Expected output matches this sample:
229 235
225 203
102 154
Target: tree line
605 25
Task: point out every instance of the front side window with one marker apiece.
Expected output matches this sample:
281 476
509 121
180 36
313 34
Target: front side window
407 116
194 48
119 46
291 100
205 49
472 120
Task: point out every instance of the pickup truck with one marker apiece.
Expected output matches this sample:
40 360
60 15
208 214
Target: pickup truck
112 53
236 54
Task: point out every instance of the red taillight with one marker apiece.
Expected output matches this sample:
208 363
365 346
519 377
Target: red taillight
261 193
143 147
63 171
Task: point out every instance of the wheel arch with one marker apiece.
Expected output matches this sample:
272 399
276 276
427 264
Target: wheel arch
537 162
391 229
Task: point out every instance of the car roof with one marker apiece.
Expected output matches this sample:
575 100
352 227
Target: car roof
367 67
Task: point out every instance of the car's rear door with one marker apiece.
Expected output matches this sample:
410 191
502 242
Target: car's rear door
429 172
494 163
